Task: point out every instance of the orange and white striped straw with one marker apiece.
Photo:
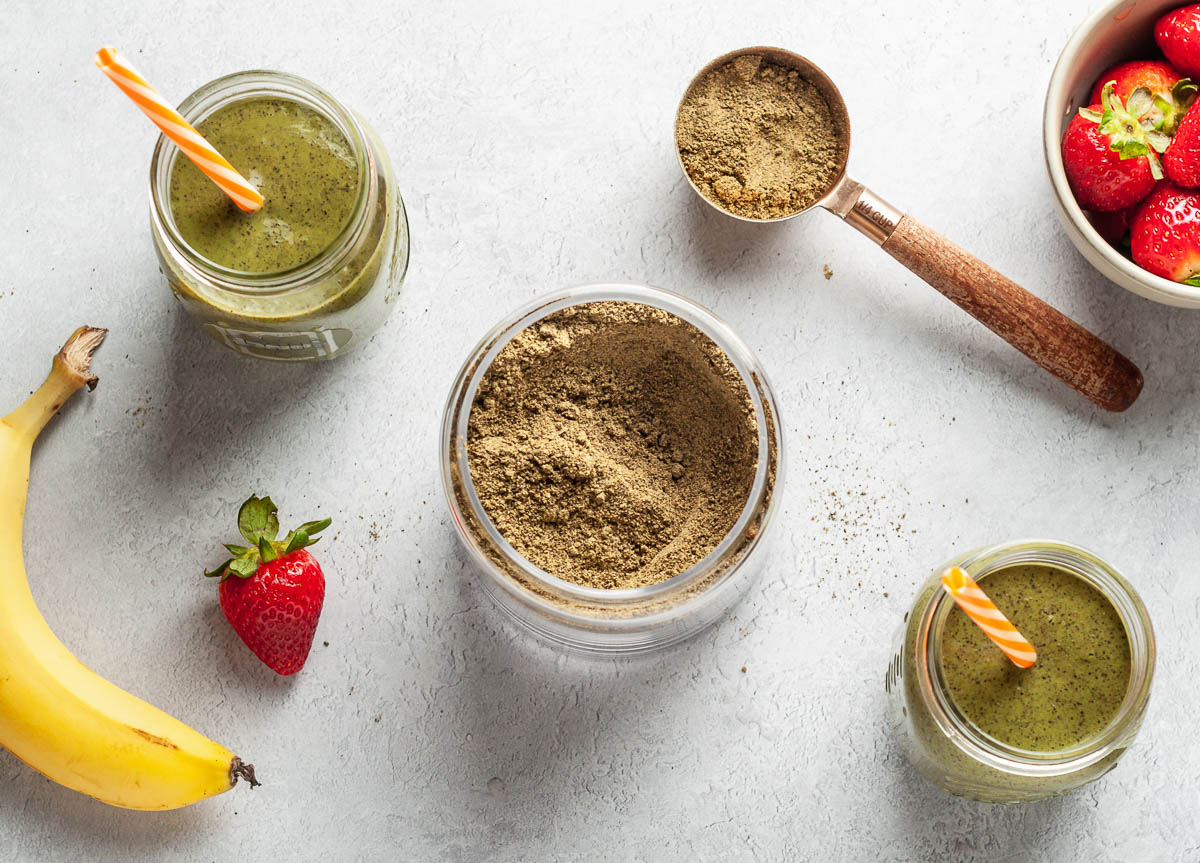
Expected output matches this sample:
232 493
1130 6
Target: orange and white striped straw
976 605
113 64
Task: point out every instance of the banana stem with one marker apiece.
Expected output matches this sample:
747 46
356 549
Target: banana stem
71 371
241 770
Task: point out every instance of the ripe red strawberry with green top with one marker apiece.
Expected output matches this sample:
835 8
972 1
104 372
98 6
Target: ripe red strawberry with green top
272 591
1182 159
1165 236
1110 152
1178 35
1170 92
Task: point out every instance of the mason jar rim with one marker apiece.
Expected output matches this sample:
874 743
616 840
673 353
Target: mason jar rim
982 747
457 414
236 87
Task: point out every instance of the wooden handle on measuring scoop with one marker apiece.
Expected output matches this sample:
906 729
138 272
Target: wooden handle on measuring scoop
1082 360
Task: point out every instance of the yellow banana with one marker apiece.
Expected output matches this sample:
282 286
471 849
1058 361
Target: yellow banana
57 716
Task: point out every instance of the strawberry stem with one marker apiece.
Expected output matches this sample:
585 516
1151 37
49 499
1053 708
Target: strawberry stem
1129 129
258 522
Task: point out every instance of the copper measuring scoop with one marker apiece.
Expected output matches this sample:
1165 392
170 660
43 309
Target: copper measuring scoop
1062 347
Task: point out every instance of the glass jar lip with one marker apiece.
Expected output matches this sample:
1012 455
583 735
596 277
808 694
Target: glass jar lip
227 90
979 745
457 413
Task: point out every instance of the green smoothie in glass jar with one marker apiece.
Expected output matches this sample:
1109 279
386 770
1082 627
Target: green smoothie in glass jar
977 725
297 159
1082 671
314 272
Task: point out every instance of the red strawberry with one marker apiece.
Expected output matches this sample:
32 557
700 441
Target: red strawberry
1182 159
1165 237
1178 35
1171 92
1109 152
272 591
1112 226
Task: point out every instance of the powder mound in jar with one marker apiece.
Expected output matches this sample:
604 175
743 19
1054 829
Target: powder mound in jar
612 444
758 139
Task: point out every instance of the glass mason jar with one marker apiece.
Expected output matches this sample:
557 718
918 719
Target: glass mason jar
947 748
627 620
319 309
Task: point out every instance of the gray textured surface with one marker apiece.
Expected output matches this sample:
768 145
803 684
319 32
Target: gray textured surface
533 147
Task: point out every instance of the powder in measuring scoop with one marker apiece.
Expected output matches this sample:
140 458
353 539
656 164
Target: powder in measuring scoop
612 444
758 139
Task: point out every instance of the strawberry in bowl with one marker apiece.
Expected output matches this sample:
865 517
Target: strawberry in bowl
1110 151
1113 226
1182 159
1165 235
1170 92
1178 36
272 591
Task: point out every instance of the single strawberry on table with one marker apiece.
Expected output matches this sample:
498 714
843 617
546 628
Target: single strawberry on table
1171 94
1110 152
1178 36
272 590
1165 235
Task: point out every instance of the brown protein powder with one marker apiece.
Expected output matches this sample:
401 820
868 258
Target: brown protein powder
757 139
612 444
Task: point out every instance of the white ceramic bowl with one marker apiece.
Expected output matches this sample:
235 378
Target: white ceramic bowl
1119 30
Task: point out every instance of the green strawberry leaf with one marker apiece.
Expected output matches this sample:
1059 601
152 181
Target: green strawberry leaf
1132 149
1140 101
244 567
296 540
266 551
1169 109
302 537
258 518
1108 98
219 571
237 550
311 527
1165 118
1089 114
1156 170
1184 92
1194 281
1158 141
